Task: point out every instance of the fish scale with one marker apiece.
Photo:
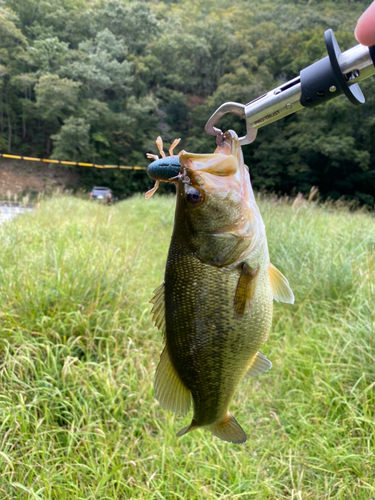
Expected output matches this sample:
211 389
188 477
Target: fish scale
196 300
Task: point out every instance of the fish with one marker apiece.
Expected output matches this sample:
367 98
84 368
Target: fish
215 304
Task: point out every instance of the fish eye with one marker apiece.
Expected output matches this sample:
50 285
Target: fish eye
194 196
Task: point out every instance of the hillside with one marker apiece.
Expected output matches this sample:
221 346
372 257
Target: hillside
19 178
97 81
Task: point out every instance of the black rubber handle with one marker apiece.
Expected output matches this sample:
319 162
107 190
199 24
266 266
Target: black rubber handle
323 80
353 93
372 53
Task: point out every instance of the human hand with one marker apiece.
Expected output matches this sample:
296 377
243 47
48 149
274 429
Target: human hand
365 29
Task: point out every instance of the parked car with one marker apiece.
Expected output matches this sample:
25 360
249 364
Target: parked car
101 194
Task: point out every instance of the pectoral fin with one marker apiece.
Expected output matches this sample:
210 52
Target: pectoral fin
259 364
158 311
245 291
170 391
280 286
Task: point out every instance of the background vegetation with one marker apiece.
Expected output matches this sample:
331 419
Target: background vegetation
78 419
98 80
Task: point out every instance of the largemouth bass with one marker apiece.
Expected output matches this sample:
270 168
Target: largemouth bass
215 305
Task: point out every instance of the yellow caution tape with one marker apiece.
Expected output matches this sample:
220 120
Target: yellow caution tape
61 162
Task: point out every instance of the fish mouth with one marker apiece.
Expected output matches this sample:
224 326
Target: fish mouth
221 173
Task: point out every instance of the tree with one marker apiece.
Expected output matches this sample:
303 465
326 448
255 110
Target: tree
73 141
102 68
12 59
118 73
56 97
48 55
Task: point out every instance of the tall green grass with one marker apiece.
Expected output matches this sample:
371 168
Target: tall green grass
78 419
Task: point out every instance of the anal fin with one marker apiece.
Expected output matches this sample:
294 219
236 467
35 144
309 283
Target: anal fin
170 391
229 430
245 291
259 364
280 286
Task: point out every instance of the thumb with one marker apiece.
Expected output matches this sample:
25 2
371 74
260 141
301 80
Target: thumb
365 29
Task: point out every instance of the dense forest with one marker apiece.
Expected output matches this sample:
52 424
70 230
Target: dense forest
99 80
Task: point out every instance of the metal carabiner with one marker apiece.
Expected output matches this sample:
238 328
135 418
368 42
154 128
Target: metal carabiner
237 109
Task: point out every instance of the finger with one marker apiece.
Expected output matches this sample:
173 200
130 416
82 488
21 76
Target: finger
365 29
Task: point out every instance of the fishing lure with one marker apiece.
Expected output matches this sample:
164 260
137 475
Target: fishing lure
166 168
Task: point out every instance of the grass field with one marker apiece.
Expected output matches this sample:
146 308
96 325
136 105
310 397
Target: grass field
78 419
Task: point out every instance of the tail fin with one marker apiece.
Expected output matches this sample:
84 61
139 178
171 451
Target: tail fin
229 430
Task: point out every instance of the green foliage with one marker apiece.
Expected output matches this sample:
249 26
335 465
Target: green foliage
48 55
78 417
56 97
73 141
101 67
135 69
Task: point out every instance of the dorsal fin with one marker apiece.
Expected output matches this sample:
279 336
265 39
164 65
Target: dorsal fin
280 286
158 311
244 296
170 391
158 292
259 364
